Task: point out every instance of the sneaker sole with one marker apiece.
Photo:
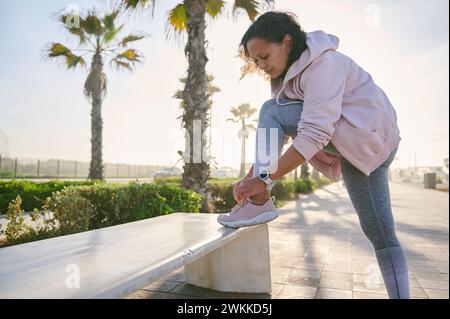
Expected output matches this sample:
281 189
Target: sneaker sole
260 219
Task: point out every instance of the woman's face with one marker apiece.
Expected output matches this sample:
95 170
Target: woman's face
270 57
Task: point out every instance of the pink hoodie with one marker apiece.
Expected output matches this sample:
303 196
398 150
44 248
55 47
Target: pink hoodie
341 104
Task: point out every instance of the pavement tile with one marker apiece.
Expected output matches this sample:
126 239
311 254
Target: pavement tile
417 292
433 284
437 293
190 290
335 275
323 293
369 287
442 266
162 286
430 276
298 291
335 284
368 295
322 253
302 281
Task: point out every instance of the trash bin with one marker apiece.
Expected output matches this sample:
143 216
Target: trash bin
430 180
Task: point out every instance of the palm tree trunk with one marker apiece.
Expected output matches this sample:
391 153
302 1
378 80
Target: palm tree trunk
196 172
315 174
304 171
243 137
242 170
96 165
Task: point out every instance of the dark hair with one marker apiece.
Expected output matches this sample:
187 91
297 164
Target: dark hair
272 26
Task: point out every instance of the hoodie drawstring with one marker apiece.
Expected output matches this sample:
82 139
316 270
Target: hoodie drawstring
278 96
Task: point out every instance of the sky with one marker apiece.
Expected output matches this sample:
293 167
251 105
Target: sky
403 44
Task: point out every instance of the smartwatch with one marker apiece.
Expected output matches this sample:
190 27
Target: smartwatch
265 177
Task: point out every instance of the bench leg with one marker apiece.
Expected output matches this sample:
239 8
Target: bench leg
242 265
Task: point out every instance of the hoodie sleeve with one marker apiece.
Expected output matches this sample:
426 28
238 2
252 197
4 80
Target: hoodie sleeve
323 84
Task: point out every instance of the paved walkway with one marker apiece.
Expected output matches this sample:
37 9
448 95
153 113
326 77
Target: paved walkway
319 251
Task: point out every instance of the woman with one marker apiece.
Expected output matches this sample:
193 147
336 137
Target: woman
341 122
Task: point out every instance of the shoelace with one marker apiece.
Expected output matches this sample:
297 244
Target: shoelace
239 206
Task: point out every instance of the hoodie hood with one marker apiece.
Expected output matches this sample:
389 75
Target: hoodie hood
317 42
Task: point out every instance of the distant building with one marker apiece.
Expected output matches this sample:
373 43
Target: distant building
416 174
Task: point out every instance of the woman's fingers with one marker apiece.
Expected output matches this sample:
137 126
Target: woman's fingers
235 191
240 196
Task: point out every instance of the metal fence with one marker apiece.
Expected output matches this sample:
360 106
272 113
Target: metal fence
55 168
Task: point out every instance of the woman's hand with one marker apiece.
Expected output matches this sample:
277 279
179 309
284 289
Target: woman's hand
248 187
235 195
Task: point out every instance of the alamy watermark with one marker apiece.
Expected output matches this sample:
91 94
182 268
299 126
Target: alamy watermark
373 16
373 276
72 13
267 145
73 278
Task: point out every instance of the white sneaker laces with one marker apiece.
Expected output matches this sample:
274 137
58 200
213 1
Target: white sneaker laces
245 202
238 206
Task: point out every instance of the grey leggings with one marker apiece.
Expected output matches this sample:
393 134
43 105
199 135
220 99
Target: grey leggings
369 194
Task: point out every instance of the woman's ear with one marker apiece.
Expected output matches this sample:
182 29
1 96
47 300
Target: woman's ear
287 41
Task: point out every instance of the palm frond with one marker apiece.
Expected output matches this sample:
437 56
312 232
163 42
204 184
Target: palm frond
73 25
112 34
250 127
109 20
178 18
127 59
139 5
214 7
235 112
213 89
131 55
73 60
92 24
131 38
244 108
178 95
251 112
251 7
80 33
121 64
56 50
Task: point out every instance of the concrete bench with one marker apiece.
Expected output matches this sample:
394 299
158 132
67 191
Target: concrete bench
116 261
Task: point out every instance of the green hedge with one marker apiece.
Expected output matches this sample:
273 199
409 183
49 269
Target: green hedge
115 204
81 208
33 194
77 207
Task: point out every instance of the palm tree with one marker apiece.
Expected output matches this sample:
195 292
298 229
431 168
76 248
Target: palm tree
212 89
98 36
315 175
189 15
304 171
241 113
